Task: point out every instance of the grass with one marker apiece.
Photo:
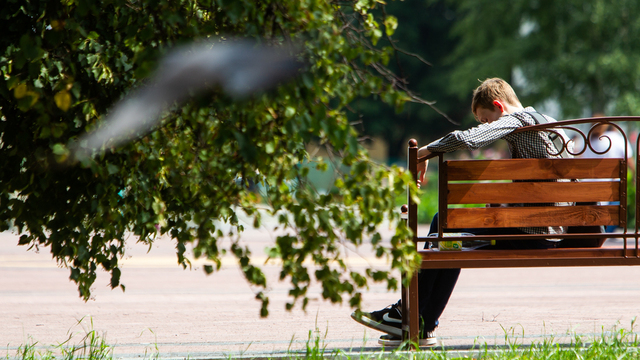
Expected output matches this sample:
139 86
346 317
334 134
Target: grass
92 346
615 344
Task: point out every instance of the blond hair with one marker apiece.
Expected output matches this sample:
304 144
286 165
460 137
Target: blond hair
490 90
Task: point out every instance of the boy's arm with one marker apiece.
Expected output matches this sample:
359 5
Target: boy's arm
476 137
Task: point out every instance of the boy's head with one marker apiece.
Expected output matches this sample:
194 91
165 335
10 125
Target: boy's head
490 91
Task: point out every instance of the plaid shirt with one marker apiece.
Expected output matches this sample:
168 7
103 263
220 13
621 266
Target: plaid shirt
522 145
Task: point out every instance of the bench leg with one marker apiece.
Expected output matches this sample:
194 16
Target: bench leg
411 312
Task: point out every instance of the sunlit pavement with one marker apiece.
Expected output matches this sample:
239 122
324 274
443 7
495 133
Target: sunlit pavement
169 312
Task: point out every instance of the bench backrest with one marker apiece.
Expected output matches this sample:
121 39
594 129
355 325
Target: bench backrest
466 187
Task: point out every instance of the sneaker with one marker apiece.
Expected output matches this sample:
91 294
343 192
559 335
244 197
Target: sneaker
395 341
388 320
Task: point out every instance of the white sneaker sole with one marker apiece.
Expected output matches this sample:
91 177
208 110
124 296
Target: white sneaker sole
376 325
397 342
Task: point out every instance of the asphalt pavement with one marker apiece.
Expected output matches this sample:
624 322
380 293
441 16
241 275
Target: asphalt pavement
168 312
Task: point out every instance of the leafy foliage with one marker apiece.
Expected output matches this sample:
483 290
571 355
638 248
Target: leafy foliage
64 63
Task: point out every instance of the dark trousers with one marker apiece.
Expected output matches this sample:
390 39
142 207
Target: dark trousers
436 285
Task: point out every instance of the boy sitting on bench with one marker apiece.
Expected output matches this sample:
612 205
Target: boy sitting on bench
497 108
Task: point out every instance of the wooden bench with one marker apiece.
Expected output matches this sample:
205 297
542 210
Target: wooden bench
465 187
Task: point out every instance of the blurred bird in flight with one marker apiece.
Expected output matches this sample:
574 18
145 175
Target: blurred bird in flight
239 67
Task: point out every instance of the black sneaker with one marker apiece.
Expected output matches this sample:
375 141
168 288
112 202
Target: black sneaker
388 320
395 341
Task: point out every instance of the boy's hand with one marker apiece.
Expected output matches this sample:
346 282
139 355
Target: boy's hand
422 166
422 170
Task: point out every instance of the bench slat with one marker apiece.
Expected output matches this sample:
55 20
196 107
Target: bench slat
532 257
534 216
526 254
526 169
533 192
492 263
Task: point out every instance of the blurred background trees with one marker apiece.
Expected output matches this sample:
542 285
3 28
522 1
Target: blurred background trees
581 54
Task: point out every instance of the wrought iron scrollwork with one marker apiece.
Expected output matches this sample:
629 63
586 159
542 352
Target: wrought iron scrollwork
570 145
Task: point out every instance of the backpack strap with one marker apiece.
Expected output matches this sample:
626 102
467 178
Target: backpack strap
554 137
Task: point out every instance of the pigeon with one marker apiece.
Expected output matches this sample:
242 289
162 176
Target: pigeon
240 68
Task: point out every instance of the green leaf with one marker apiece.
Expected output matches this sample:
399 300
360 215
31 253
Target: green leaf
112 169
24 240
289 111
115 277
390 24
208 269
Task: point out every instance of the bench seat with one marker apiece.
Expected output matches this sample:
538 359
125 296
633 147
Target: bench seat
529 258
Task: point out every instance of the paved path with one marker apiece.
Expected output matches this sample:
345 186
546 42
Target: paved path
178 313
